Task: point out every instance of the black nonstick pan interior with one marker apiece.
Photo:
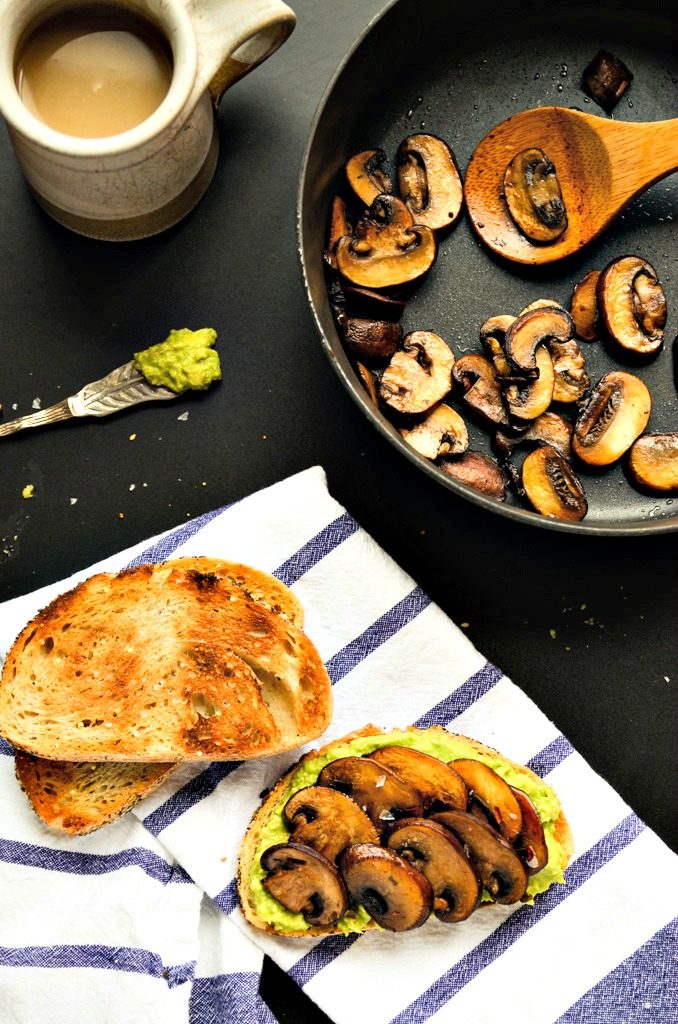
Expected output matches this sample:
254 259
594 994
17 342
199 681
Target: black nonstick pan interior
456 70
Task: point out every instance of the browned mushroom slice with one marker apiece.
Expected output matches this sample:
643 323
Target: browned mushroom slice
533 196
429 181
492 337
549 428
544 325
531 842
482 393
443 432
529 400
653 462
501 870
552 486
365 302
605 79
495 795
304 882
478 471
376 789
339 226
368 382
327 820
386 248
368 176
584 306
541 304
393 892
571 378
632 304
440 857
372 340
615 414
440 786
419 375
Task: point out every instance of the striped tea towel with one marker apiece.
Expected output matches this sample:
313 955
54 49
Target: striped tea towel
601 949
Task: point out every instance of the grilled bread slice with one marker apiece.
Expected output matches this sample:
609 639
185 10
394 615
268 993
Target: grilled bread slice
269 828
170 662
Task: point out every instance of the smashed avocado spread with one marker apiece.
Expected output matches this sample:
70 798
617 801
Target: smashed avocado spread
185 360
438 743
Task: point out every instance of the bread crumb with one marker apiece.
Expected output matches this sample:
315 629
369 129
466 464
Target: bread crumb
36 403
553 634
28 491
72 501
132 437
183 416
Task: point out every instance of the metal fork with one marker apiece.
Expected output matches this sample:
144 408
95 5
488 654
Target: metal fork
119 389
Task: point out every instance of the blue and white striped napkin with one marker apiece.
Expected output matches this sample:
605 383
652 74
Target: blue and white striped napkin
139 922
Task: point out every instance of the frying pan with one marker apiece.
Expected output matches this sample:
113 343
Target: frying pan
457 69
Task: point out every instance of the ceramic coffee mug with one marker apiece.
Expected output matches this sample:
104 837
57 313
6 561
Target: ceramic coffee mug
145 179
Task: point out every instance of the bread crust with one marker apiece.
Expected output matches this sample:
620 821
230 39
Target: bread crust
250 841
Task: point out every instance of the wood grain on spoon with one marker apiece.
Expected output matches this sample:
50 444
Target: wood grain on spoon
601 166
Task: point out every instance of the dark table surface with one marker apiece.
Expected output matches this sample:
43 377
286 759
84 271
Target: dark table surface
585 625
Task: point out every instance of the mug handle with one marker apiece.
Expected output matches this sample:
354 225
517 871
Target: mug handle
235 36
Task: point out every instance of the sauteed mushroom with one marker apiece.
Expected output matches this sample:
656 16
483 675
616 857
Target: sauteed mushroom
327 820
440 857
368 176
531 841
339 226
479 471
368 382
552 486
429 181
653 462
439 784
492 338
571 379
482 393
528 400
495 795
304 882
419 375
544 325
372 340
443 432
386 248
615 414
632 304
533 196
365 302
374 787
584 306
606 79
393 892
501 870
549 428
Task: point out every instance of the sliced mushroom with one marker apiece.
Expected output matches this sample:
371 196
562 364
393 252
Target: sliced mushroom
632 304
533 196
386 248
653 462
482 392
339 226
305 883
531 842
501 870
429 181
368 381
393 892
372 340
615 414
493 793
492 337
479 471
549 428
529 400
552 487
368 176
443 432
440 786
541 304
605 79
327 820
365 302
376 789
419 375
544 325
571 379
440 857
584 306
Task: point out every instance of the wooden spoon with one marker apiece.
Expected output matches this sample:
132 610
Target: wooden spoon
601 166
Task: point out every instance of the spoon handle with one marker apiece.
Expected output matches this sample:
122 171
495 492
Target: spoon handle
645 152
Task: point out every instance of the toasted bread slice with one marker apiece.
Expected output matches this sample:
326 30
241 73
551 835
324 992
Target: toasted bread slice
171 662
266 827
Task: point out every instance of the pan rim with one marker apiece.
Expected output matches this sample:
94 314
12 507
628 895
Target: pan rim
524 516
